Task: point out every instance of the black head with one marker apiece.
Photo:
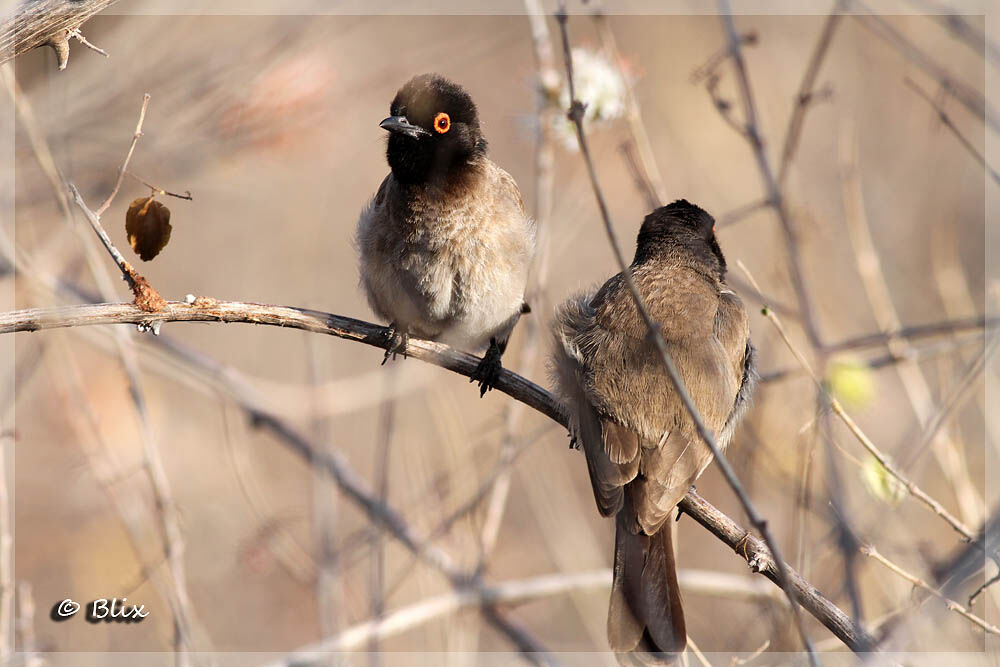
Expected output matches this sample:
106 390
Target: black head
433 130
680 225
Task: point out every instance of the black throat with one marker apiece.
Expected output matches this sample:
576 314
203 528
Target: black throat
424 162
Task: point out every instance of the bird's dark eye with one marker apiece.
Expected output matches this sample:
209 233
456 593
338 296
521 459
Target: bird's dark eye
442 123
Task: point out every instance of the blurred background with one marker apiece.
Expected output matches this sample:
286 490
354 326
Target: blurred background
271 122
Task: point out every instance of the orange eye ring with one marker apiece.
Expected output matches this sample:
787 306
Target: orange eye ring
442 123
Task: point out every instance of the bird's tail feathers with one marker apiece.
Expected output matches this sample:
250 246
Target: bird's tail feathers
645 619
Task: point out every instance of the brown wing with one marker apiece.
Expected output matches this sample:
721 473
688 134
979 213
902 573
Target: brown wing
732 329
612 454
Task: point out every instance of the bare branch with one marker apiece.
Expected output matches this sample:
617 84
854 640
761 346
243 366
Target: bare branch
48 23
146 297
970 98
865 441
947 327
209 310
756 553
772 187
950 124
807 95
873 553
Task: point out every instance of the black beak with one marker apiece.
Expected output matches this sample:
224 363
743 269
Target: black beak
402 125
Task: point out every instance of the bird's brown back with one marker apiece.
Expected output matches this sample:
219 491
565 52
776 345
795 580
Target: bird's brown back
644 427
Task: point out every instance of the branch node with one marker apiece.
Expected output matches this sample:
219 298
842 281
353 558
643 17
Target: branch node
61 46
146 298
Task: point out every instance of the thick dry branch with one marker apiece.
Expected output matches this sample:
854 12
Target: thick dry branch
205 309
209 310
757 555
47 23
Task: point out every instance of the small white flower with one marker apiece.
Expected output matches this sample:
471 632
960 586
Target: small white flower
601 88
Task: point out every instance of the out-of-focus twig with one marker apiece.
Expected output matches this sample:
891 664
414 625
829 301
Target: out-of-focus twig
970 98
772 187
918 391
575 113
807 94
531 329
965 384
865 441
873 553
916 332
633 112
383 452
6 552
911 353
742 661
950 124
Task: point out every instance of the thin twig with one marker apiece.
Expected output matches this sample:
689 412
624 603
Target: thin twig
6 552
772 188
161 191
915 384
965 384
383 451
916 332
128 158
575 114
146 297
911 353
970 98
873 553
865 441
699 656
76 34
548 93
633 112
950 124
986 584
741 213
806 95
742 661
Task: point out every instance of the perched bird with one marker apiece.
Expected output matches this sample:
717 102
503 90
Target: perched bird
445 244
643 451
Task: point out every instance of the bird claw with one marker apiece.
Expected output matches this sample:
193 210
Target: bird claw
395 343
487 373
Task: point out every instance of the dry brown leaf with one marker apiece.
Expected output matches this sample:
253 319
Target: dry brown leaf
147 225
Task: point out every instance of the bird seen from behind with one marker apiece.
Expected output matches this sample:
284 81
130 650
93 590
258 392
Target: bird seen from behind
642 449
